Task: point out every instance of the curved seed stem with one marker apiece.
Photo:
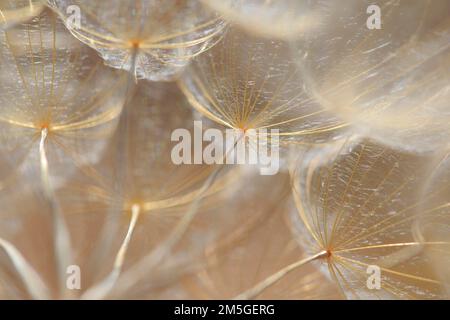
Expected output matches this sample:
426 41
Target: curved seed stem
115 212
30 278
101 289
154 258
135 211
142 267
44 162
2 16
271 280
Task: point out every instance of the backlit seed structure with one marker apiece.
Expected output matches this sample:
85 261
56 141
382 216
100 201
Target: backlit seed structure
134 135
153 39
